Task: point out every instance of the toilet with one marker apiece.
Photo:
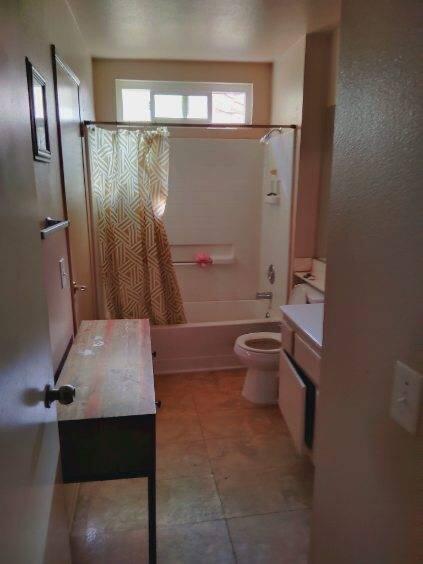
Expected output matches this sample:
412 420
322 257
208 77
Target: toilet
260 352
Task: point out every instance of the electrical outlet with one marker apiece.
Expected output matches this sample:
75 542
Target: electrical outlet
406 397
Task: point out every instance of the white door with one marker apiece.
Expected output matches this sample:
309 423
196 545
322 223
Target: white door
73 178
29 445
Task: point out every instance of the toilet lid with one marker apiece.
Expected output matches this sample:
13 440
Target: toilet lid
260 342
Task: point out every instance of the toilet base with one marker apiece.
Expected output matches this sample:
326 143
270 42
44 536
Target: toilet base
261 386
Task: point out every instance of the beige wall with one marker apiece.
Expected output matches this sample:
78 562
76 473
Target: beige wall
316 87
303 92
288 83
321 237
327 149
287 107
105 71
367 467
334 66
50 22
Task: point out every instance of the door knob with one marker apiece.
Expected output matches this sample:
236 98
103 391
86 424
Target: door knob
64 395
79 287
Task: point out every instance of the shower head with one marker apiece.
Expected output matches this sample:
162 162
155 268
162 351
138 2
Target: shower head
267 137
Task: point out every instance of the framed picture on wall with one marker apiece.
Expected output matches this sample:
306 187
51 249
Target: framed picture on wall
38 113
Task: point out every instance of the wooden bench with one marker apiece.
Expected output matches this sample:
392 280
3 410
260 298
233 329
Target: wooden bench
108 432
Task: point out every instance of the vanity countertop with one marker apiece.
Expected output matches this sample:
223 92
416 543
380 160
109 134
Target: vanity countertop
308 319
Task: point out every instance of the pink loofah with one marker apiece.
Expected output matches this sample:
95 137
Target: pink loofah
203 259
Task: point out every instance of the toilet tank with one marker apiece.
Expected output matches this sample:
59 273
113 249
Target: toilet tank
305 294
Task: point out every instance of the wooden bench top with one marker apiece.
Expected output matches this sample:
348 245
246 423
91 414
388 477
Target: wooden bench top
111 367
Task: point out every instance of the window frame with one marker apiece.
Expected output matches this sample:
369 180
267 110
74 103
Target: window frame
185 89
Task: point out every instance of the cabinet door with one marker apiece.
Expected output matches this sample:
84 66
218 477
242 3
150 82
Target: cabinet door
287 337
292 400
307 358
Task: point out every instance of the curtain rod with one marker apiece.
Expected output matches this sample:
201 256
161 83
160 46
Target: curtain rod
203 125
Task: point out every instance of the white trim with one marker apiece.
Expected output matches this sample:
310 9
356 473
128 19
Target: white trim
185 89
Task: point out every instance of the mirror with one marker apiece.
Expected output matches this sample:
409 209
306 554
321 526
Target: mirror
38 114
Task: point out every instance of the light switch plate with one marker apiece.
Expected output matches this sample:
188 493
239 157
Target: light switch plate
64 276
406 397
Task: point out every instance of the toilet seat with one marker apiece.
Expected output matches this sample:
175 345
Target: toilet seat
260 343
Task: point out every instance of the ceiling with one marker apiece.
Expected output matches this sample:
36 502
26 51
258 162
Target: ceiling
224 30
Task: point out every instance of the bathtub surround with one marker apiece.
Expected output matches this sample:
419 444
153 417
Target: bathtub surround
214 206
129 175
279 156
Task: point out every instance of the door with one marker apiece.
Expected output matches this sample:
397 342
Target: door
29 444
71 150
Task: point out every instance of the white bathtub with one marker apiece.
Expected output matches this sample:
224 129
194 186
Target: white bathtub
225 310
206 341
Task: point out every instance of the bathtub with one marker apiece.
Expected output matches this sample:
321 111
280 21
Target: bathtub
225 310
206 341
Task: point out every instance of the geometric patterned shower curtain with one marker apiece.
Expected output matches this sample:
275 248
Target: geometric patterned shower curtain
129 183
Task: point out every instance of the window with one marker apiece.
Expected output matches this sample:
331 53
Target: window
184 102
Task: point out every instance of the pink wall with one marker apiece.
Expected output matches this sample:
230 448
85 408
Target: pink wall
367 467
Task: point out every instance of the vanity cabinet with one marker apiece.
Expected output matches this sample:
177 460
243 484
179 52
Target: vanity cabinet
292 400
299 372
307 358
287 337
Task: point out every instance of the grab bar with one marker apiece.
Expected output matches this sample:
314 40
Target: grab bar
53 225
215 261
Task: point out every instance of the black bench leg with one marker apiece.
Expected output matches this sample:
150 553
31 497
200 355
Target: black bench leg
152 533
152 542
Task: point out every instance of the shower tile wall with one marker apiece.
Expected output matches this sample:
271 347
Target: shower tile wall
275 219
215 189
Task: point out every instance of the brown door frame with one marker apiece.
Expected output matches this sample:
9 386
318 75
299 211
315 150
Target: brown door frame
57 60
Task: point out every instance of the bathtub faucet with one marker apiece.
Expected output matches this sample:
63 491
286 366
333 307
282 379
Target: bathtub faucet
264 295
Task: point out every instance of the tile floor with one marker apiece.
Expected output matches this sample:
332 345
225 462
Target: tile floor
230 487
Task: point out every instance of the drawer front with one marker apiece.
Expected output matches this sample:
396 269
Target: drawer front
307 358
287 337
292 401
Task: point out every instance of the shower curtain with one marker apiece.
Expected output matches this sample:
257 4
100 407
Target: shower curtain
129 182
